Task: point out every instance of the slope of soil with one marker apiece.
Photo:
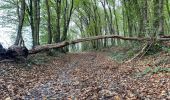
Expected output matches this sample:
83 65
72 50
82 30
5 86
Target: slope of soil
85 76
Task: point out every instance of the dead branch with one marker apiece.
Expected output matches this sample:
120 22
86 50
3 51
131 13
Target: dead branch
141 53
65 43
6 60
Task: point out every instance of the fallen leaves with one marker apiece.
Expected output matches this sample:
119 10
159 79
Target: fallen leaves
83 76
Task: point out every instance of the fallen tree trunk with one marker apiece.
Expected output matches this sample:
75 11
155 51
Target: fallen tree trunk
65 43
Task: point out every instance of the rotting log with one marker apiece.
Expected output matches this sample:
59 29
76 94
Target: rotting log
65 43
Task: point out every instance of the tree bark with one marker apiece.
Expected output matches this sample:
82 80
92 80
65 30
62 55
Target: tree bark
38 22
167 6
65 43
21 15
36 18
106 18
58 13
29 9
67 17
143 17
49 22
161 20
116 22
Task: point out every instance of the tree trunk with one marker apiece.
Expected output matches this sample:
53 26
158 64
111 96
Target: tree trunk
21 15
66 43
67 17
156 17
161 20
36 18
58 11
31 20
143 18
49 22
35 23
116 20
167 6
38 22
106 21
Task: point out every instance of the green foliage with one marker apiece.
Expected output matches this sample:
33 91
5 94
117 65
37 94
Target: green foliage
160 69
130 53
125 51
166 49
155 70
77 2
146 71
153 49
118 56
43 38
141 74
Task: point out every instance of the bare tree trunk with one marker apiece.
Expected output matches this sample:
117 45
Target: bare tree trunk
64 35
143 17
67 17
161 21
21 14
127 15
38 21
167 6
116 20
58 12
35 22
158 17
106 20
36 18
49 22
124 22
29 10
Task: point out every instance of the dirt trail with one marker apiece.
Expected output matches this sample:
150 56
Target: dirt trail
82 76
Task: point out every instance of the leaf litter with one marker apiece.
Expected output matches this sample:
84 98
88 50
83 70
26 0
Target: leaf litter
85 76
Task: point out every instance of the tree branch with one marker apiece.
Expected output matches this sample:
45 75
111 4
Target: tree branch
65 43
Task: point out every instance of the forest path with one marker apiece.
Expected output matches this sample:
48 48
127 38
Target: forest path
82 76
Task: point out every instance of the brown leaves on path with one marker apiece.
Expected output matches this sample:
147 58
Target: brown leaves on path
82 76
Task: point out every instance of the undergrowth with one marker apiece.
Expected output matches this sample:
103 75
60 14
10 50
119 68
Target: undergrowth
155 70
38 59
155 48
133 48
126 53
